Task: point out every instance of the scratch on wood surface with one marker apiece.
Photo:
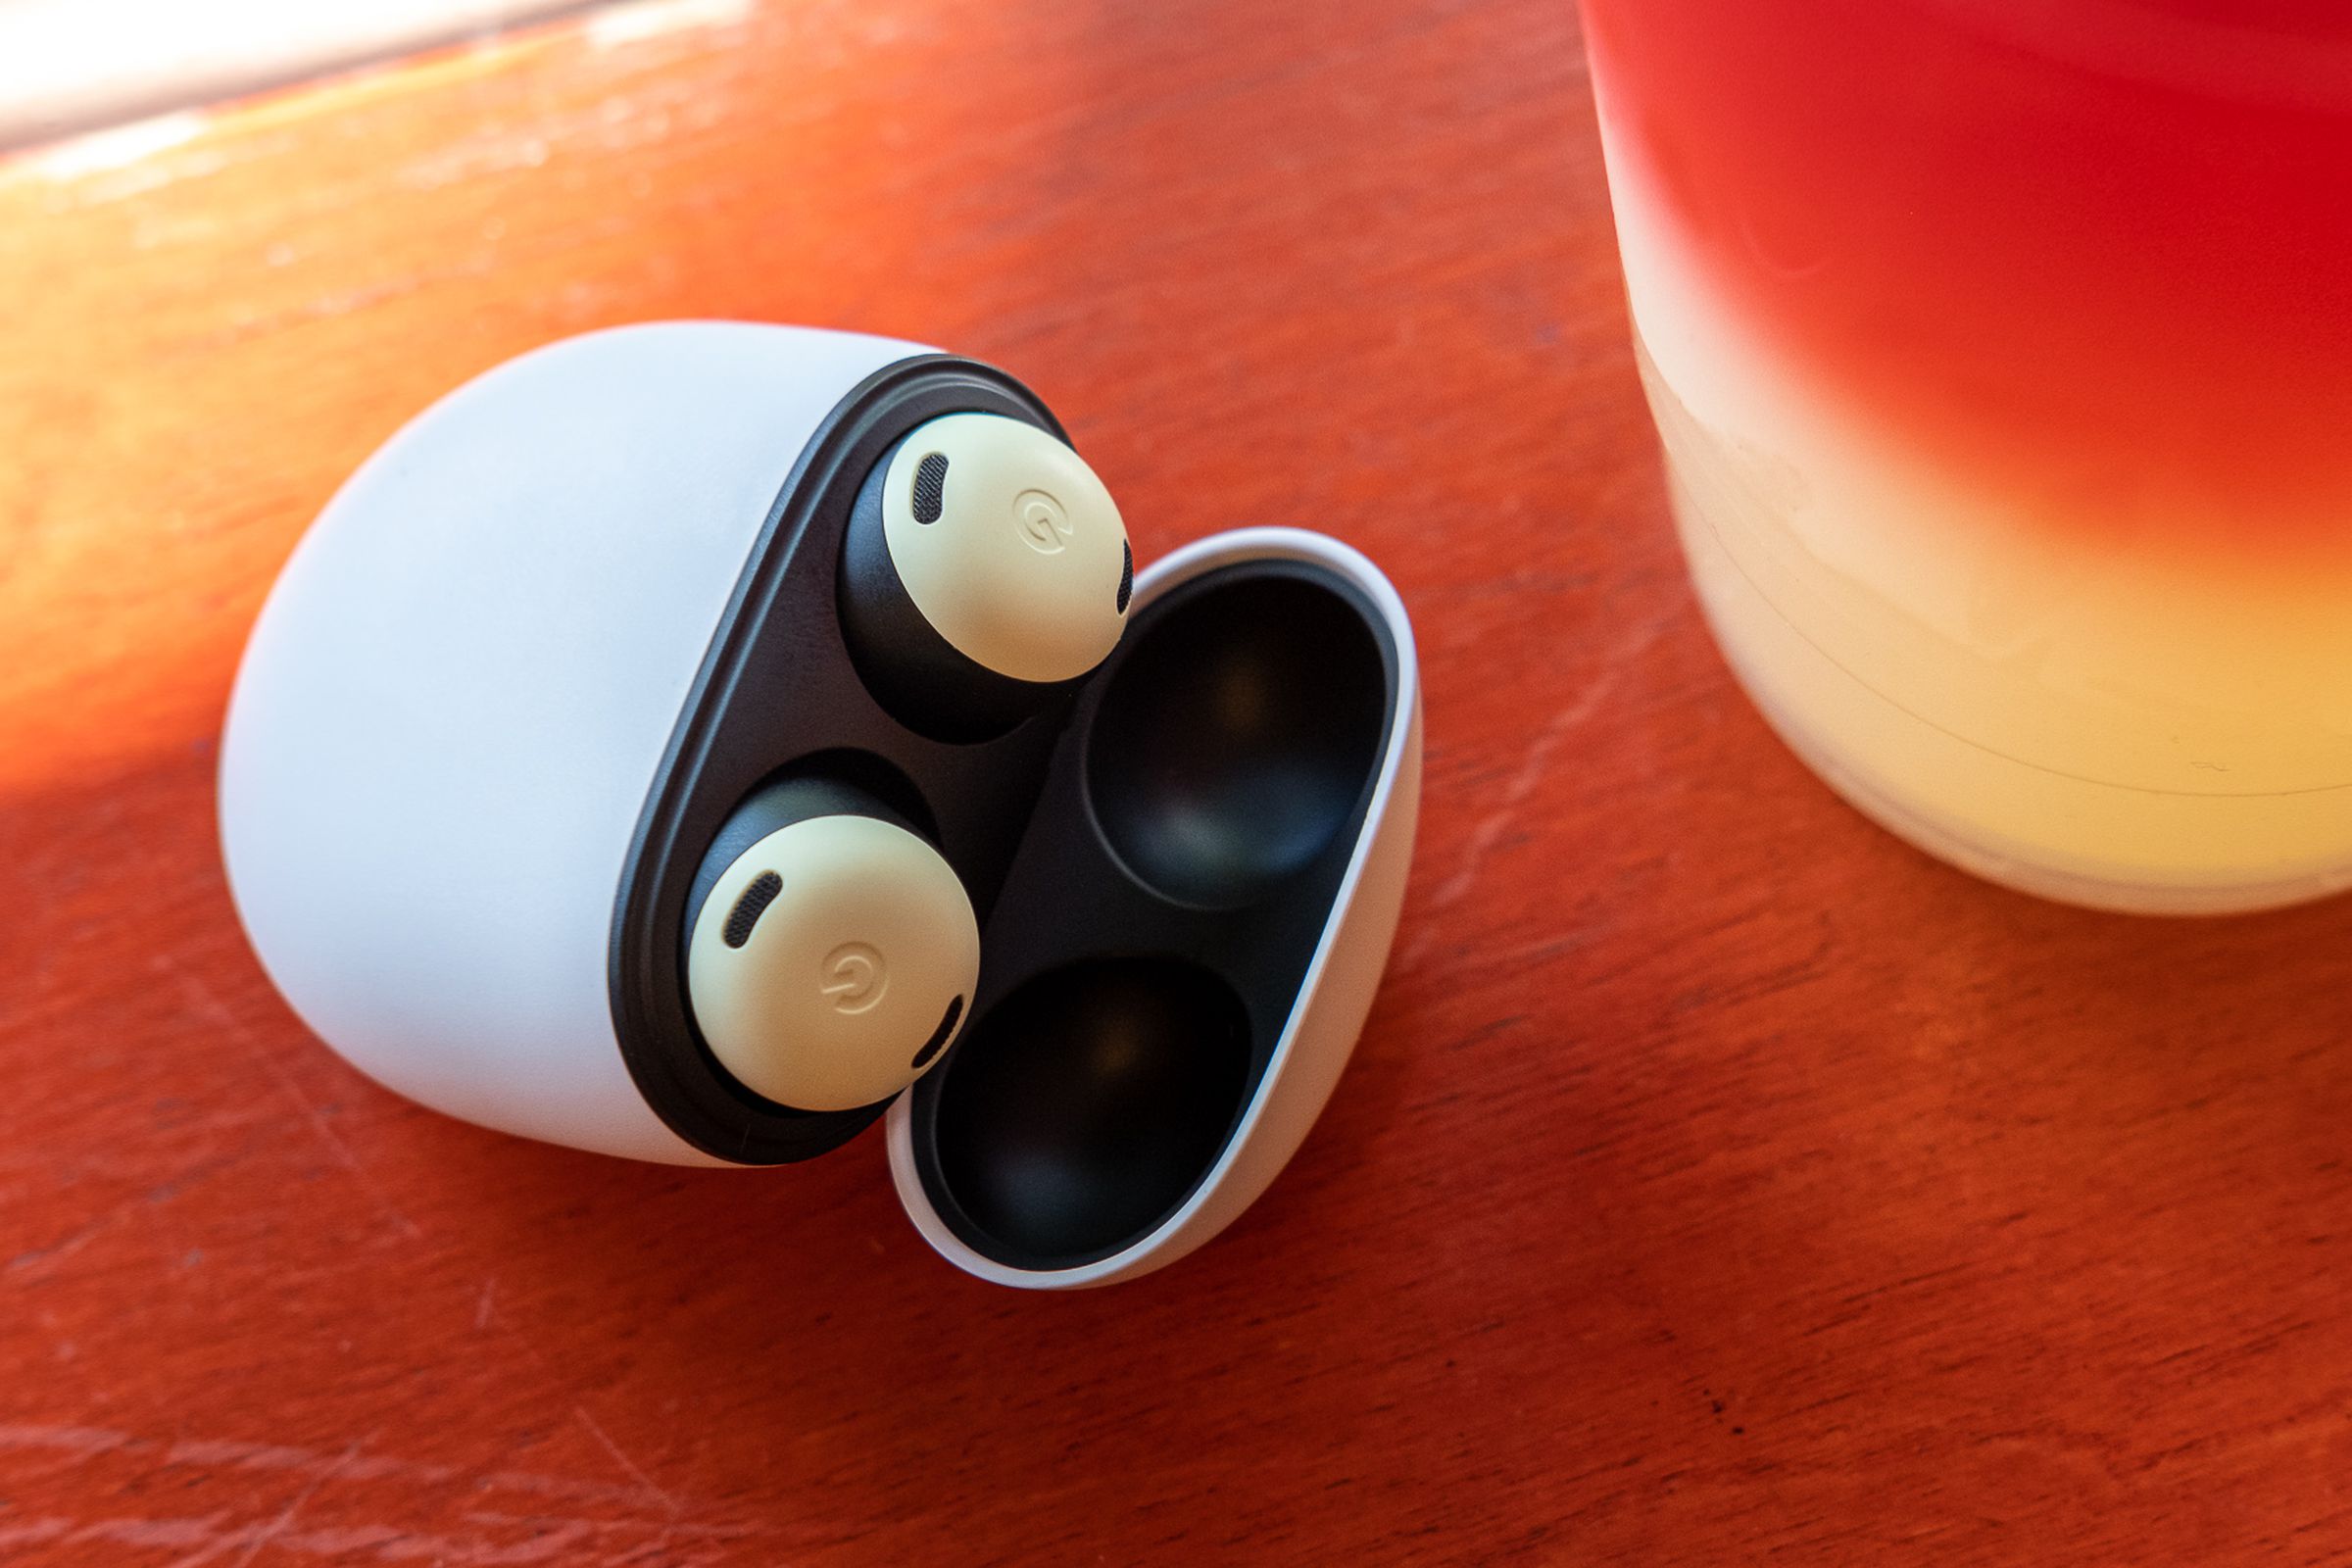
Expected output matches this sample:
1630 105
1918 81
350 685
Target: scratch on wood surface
637 1496
644 115
645 1491
1534 765
83 1444
286 1517
207 1537
35 1262
32 1531
727 1532
58 1252
88 1442
201 999
223 1453
623 1460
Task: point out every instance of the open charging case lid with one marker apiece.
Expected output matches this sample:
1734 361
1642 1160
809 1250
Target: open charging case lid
1184 953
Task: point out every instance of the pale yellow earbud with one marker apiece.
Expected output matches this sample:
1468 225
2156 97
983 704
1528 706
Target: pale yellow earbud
832 962
1008 545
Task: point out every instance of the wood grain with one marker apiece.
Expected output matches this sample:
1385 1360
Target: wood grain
1718 1181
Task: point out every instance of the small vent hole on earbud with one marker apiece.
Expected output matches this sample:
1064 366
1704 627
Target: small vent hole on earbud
930 487
1126 577
750 908
939 1036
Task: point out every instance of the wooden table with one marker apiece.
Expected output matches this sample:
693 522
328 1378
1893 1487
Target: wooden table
1718 1180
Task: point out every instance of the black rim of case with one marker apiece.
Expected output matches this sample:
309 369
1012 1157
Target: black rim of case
1137 969
777 691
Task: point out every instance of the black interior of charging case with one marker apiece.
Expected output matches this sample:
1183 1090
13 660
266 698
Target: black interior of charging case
1159 923
1154 858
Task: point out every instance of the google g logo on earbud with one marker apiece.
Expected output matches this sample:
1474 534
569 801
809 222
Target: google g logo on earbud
853 977
1045 526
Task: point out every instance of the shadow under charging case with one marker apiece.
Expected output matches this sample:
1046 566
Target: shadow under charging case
513 679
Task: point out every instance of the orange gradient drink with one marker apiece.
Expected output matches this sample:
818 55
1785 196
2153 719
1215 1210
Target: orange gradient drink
2002 355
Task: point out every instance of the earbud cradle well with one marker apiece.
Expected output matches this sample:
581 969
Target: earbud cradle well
1138 1073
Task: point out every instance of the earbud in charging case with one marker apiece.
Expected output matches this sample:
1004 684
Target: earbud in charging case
694 742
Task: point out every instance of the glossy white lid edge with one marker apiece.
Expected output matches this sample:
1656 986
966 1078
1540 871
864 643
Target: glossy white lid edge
452 706
1341 978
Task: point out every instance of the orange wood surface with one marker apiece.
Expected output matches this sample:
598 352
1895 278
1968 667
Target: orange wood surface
1718 1180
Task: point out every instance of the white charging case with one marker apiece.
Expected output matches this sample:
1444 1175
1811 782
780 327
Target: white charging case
541 643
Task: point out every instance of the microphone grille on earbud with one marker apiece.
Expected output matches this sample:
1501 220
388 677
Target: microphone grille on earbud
939 1036
930 487
748 909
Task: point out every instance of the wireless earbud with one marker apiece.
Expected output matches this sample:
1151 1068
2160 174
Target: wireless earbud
986 569
831 953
